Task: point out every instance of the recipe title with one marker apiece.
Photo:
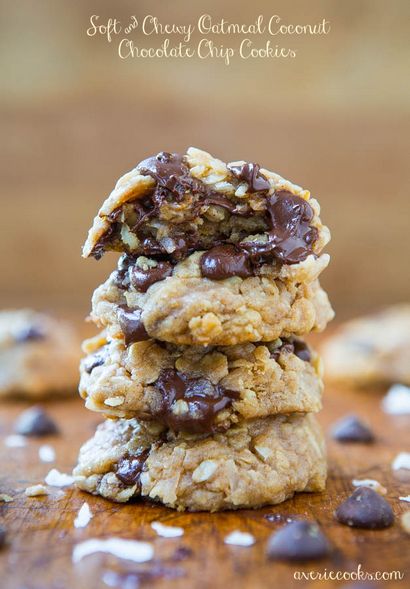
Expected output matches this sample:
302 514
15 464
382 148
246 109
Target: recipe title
264 38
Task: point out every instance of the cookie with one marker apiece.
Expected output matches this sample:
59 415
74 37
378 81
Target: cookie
257 462
371 350
189 310
172 205
38 355
199 389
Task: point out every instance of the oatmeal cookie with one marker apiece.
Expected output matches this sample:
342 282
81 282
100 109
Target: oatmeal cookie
190 310
371 350
38 355
171 205
199 389
257 462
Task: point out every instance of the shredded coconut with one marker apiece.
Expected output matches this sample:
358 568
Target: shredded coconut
58 479
84 516
167 531
15 441
239 539
373 484
36 491
5 498
402 460
47 453
406 498
126 549
397 400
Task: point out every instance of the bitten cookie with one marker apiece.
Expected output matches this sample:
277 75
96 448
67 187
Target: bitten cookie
255 463
371 350
39 355
215 253
199 389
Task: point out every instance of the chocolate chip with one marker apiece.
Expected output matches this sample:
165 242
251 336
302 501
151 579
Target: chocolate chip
365 509
292 346
131 325
202 398
250 174
224 261
351 429
3 536
297 542
29 334
92 362
130 467
35 422
142 279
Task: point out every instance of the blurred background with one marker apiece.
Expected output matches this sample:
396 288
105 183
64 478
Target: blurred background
74 117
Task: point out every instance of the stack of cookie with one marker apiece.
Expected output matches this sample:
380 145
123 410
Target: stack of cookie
208 389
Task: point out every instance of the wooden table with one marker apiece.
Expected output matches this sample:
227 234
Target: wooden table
41 535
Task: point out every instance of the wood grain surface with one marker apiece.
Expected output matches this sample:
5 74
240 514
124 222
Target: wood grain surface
41 534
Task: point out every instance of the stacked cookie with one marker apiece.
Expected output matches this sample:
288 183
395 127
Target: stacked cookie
199 365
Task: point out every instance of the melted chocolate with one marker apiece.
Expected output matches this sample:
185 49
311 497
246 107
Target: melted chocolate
204 399
129 468
131 325
141 279
250 174
224 261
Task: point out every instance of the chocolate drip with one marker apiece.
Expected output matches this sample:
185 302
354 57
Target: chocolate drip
292 346
131 325
204 400
250 174
224 261
130 467
142 279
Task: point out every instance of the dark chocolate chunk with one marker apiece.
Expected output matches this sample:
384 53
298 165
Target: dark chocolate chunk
297 542
92 362
3 536
131 325
224 261
29 334
351 429
292 346
142 279
250 174
35 422
130 467
204 400
365 509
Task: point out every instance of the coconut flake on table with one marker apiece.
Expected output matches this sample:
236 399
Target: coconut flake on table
402 460
126 549
84 516
4 498
56 478
406 498
15 441
397 400
167 531
47 453
238 538
372 483
36 491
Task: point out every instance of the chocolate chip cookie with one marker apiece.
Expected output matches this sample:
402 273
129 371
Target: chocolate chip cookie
257 462
199 389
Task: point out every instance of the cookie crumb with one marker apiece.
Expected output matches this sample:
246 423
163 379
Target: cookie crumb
15 441
402 460
407 498
405 521
4 498
36 491
238 538
167 531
